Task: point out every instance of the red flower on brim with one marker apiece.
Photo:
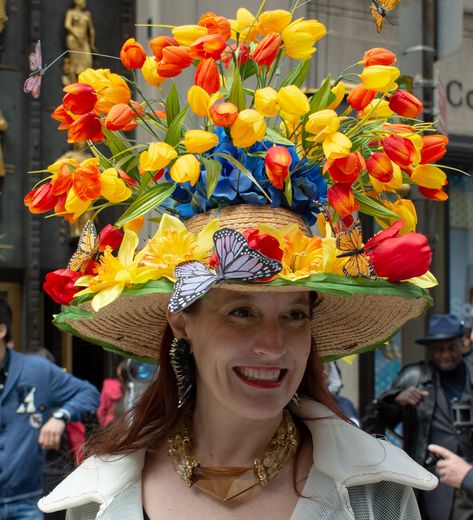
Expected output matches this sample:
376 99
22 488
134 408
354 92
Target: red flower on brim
109 236
59 285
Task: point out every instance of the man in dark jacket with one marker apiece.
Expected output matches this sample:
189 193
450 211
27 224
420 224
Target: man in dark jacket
434 402
30 388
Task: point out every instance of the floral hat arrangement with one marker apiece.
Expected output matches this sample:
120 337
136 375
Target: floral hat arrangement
252 183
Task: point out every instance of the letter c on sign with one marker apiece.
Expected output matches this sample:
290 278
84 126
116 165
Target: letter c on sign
451 87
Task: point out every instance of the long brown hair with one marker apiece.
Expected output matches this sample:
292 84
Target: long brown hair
152 419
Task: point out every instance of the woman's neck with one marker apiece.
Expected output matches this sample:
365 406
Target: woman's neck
223 439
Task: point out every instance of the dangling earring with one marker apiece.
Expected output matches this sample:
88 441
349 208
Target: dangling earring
296 399
182 363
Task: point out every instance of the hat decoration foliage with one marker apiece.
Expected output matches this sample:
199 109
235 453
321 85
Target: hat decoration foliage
243 133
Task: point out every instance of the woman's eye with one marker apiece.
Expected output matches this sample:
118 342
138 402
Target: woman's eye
241 313
298 315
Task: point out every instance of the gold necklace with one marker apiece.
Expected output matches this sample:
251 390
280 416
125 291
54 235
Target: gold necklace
228 483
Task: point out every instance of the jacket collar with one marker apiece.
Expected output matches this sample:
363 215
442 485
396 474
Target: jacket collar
342 451
15 368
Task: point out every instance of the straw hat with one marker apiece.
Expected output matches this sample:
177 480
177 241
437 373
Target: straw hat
351 315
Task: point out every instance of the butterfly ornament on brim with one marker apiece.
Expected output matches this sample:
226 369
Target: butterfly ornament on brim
33 81
236 263
87 249
351 243
379 9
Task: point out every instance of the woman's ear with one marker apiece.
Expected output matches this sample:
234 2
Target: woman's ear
178 323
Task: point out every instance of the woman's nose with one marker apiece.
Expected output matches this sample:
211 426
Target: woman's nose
270 340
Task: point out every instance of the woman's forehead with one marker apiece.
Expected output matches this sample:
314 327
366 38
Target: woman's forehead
225 295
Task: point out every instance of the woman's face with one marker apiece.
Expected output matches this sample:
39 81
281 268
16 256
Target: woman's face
250 349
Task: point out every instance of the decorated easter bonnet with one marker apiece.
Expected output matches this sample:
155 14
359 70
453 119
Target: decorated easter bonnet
249 189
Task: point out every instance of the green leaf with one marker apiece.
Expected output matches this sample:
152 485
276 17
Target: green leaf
173 135
298 75
150 199
70 312
276 138
237 96
244 170
213 170
248 69
288 190
172 104
321 99
373 208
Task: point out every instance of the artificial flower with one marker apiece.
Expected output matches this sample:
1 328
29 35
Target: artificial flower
380 167
302 255
120 117
75 206
112 186
429 176
277 162
208 46
300 36
267 49
405 104
433 194
394 184
380 78
60 285
132 54
216 25
248 128
434 148
293 101
188 34
339 92
159 43
346 169
207 76
342 199
377 109
150 72
336 145
109 237
405 210
400 150
322 124
241 53
199 141
378 56
199 100
274 21
41 199
245 25
86 182
224 114
360 97
174 60
186 169
110 88
266 101
157 156
267 245
87 127
80 98
60 114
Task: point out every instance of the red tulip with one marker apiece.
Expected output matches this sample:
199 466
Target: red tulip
109 237
278 161
174 60
224 114
120 117
378 56
84 128
41 199
380 167
243 53
433 149
207 76
208 46
399 257
433 194
132 54
267 49
360 97
267 245
216 25
405 104
342 199
346 169
158 44
59 285
400 150
80 98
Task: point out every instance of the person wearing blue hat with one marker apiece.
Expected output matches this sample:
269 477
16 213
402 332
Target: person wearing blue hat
434 402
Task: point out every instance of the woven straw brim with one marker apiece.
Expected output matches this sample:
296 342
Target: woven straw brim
342 324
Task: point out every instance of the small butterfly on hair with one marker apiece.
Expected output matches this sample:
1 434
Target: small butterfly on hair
350 242
379 9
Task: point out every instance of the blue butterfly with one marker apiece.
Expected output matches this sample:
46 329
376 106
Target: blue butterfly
236 262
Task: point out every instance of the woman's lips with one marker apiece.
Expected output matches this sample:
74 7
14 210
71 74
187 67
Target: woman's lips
261 377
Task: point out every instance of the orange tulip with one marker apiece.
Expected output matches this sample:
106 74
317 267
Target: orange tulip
84 128
208 46
378 56
60 210
433 194
400 150
63 117
267 49
346 169
216 25
62 180
207 76
342 199
405 104
433 149
159 43
429 176
41 199
360 97
224 114
380 167
120 117
278 161
132 54
80 98
86 182
175 59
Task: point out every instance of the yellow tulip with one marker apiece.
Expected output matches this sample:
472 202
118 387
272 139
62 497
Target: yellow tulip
266 101
75 205
381 78
111 89
322 124
248 128
274 21
245 25
157 156
199 141
406 211
300 36
150 72
429 176
339 91
186 169
377 109
293 101
198 100
188 34
112 186
336 146
394 184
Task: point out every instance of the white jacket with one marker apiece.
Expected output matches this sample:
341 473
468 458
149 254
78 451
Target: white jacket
354 476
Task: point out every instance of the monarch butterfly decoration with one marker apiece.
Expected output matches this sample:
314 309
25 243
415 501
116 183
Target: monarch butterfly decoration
87 249
379 9
350 242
